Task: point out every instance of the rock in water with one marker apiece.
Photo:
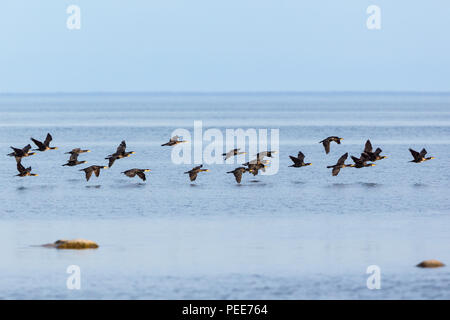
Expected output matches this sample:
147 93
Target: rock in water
430 264
73 244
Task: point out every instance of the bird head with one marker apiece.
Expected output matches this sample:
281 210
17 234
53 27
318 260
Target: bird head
147 170
341 138
372 164
105 167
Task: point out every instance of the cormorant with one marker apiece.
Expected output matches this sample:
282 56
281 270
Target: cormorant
92 169
194 171
238 173
232 153
139 172
419 157
119 154
263 154
361 162
255 165
173 141
77 151
299 161
73 161
372 156
44 146
339 165
24 172
21 153
326 142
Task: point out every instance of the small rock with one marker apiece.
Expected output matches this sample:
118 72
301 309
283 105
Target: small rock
430 264
73 244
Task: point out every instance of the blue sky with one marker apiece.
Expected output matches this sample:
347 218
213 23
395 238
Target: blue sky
224 45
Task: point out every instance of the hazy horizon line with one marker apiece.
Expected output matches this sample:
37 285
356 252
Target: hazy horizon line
230 92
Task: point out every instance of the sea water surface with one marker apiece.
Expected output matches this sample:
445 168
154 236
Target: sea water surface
299 234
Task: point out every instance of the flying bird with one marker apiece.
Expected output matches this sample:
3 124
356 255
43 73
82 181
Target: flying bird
24 172
77 151
73 160
119 154
238 173
232 153
339 165
44 146
92 169
419 157
173 141
299 161
372 156
21 153
139 172
263 154
361 162
326 142
194 171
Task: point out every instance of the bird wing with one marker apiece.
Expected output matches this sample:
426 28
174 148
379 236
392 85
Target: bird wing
141 175
97 171
111 161
39 144
26 148
193 175
48 139
423 153
301 156
342 159
356 160
88 174
368 146
174 138
73 157
335 171
378 151
295 160
77 150
238 175
197 168
415 154
121 148
326 145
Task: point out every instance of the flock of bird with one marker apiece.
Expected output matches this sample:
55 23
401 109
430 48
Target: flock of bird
366 159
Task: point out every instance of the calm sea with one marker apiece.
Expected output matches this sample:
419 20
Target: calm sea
299 234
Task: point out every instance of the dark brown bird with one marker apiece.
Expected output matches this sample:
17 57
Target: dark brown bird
174 141
238 173
77 151
119 154
73 160
339 165
326 142
92 169
21 153
361 162
255 165
24 172
139 172
194 171
232 153
45 145
372 156
299 161
419 157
